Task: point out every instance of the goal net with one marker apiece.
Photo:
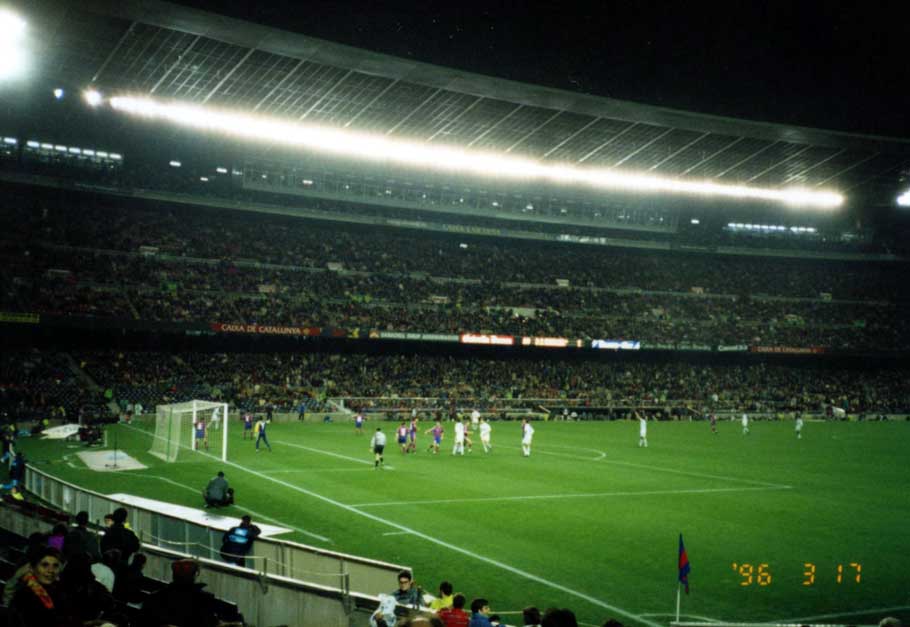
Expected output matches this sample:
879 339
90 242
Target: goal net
178 427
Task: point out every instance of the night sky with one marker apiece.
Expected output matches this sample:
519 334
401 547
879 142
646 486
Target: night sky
835 65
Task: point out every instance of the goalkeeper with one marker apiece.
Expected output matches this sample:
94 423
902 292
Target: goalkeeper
217 493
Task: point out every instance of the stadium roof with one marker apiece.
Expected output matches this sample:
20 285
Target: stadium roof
157 48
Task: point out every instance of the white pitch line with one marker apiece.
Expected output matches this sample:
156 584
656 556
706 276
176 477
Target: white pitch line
580 495
307 470
600 454
395 533
873 610
330 453
452 547
704 619
246 509
698 474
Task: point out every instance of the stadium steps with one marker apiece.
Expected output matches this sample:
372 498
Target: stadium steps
81 374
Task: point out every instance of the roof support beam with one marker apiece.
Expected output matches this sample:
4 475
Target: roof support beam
539 126
370 103
642 147
328 93
676 152
451 122
742 161
714 154
126 35
812 167
569 138
228 75
847 169
279 84
495 124
413 111
175 63
779 163
608 142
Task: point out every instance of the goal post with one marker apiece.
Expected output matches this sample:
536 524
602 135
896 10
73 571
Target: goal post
175 427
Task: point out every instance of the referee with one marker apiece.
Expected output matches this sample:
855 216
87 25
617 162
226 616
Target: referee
377 445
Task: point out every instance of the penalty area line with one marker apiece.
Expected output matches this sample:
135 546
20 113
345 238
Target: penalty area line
580 495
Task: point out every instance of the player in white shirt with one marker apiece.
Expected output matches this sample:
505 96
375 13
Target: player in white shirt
458 447
485 430
475 420
799 427
642 430
215 422
377 445
527 435
745 421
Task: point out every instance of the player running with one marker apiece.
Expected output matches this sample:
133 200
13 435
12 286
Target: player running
713 418
402 433
377 445
458 446
412 434
485 430
642 430
247 426
745 423
799 427
437 432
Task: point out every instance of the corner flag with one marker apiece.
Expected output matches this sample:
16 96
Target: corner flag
683 565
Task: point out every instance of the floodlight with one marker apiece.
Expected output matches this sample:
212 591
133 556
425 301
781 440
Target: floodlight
32 144
58 93
115 156
60 148
904 199
174 163
10 140
221 170
47 146
75 151
204 179
695 221
88 152
382 148
12 32
93 97
101 154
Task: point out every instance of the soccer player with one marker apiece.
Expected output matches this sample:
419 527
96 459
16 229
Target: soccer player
247 426
458 447
527 436
745 422
799 427
642 430
485 430
260 434
201 437
475 420
412 434
402 433
215 422
358 423
437 432
713 418
377 445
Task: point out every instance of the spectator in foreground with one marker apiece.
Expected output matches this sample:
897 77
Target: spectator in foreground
455 616
36 602
119 536
480 612
530 617
558 618
58 537
183 602
407 593
106 570
238 541
445 597
37 542
81 540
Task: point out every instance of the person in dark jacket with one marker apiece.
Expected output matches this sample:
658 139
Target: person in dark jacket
217 493
81 540
37 601
119 537
182 603
238 541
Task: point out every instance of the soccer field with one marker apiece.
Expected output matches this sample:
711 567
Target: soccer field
776 529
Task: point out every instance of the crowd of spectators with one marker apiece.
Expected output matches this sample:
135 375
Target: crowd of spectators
272 270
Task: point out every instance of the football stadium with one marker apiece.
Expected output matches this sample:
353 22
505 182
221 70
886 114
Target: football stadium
301 332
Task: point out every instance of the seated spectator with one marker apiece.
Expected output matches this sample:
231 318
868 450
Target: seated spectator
455 616
558 618
37 600
480 613
119 536
82 597
106 570
57 537
444 599
217 493
384 616
81 540
407 593
37 542
183 603
128 583
531 617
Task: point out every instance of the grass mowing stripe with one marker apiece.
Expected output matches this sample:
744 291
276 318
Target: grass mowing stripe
329 453
483 499
689 473
482 558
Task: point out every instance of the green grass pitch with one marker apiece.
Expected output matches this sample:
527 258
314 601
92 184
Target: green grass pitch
590 521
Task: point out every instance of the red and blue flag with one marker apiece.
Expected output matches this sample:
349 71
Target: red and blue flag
683 565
